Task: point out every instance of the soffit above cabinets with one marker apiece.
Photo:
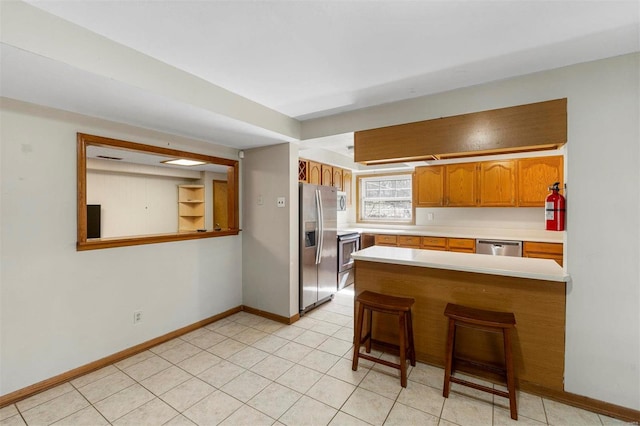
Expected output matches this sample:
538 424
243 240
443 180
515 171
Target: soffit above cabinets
531 127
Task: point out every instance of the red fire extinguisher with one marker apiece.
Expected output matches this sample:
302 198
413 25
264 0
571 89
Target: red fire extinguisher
555 209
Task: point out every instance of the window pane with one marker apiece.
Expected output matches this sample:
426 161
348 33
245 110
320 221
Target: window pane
387 198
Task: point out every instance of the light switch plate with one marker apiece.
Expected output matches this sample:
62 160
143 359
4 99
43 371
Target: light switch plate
260 200
280 202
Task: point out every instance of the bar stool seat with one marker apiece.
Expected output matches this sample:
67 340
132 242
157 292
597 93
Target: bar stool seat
401 306
489 321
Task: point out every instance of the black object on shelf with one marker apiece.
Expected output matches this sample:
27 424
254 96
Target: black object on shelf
93 220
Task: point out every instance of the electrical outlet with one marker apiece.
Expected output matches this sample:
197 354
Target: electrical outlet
280 202
429 216
137 317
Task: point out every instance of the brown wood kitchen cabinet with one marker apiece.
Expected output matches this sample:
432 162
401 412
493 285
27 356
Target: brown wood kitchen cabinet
346 184
337 177
409 241
461 185
461 245
535 175
303 170
434 243
386 240
314 173
429 186
327 175
497 182
543 251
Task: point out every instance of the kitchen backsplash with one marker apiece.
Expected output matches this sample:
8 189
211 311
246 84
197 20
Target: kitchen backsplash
485 217
489 217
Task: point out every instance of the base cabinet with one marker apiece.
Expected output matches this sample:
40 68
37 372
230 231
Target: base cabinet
543 251
461 245
386 240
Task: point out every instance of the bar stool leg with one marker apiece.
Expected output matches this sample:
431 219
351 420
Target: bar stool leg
403 350
510 379
369 326
412 348
449 361
357 337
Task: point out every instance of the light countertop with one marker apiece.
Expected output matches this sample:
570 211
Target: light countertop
521 267
536 235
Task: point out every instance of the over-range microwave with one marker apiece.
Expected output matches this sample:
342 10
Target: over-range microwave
342 201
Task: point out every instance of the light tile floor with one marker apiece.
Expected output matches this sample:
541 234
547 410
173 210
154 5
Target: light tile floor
247 370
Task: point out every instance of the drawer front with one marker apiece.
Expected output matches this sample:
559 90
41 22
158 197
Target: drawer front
434 242
462 244
408 241
382 240
550 248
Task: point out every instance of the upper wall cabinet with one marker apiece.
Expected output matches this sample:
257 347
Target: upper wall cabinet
314 174
536 126
520 182
460 185
535 175
497 181
327 175
429 186
337 178
346 184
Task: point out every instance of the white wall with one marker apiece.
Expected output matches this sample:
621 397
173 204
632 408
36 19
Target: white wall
270 234
603 199
134 204
61 308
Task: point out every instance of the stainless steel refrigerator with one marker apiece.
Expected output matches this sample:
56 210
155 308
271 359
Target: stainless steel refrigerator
318 245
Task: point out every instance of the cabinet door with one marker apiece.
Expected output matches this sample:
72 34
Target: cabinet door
434 243
535 176
462 245
337 178
367 240
386 240
327 175
460 185
346 185
314 173
497 181
543 251
409 241
429 186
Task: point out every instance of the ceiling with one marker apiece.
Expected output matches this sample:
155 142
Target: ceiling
252 73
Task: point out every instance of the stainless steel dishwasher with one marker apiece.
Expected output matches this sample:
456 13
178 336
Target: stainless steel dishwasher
499 247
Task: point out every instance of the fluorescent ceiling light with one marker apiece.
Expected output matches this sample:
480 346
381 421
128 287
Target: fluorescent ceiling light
184 162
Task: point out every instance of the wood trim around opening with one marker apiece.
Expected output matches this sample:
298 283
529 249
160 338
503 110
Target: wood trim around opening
84 140
359 177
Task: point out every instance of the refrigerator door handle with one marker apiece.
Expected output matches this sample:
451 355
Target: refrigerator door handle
320 227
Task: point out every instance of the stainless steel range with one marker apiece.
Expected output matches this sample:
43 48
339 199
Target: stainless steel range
348 243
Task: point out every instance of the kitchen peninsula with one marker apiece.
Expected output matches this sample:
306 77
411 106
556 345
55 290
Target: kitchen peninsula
533 289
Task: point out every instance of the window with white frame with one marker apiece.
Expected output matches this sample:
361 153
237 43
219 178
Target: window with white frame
386 198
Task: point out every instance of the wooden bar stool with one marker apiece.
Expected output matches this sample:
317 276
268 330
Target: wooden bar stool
394 305
490 321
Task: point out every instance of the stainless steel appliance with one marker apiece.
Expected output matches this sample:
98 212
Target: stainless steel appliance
318 245
348 243
499 247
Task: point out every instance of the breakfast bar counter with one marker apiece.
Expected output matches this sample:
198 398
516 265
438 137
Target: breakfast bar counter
533 289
